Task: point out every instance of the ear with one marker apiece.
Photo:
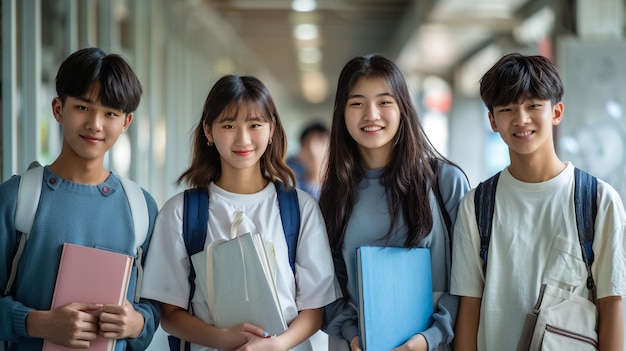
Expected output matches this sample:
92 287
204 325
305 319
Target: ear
272 129
557 113
57 108
207 132
492 122
127 120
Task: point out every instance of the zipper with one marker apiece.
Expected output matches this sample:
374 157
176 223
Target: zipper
572 335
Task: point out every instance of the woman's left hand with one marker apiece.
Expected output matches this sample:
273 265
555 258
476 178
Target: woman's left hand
415 343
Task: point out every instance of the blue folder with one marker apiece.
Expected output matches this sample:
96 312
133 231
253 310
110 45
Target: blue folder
395 298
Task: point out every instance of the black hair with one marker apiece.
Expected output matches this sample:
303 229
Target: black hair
411 169
516 77
313 128
119 86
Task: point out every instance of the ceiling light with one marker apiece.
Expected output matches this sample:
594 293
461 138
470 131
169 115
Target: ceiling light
303 5
314 86
310 55
306 31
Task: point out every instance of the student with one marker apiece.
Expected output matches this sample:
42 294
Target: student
81 203
309 162
238 154
379 190
535 198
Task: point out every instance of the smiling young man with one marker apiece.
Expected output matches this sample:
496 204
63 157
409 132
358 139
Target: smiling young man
81 203
534 238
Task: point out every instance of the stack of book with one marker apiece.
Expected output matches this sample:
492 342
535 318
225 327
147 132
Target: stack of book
236 278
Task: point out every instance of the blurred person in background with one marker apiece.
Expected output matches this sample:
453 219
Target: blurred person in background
308 163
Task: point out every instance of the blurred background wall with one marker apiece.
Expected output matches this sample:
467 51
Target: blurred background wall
180 47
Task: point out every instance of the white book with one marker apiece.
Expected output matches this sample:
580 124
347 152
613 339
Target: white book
236 278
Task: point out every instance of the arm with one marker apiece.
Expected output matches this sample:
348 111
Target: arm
138 320
12 312
301 328
71 325
340 316
452 187
178 322
466 328
442 329
611 323
340 320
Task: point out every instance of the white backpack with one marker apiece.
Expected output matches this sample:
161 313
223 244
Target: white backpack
28 194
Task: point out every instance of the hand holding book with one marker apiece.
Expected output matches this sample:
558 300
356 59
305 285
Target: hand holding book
120 321
87 280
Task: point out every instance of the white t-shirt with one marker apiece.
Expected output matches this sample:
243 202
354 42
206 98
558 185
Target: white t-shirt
167 269
534 240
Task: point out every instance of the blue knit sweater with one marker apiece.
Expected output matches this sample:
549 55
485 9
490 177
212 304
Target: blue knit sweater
89 215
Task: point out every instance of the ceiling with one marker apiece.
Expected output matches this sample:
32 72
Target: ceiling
423 36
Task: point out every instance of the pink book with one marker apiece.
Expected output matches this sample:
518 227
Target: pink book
93 276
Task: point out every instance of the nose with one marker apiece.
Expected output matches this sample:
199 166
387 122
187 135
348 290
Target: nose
243 136
95 121
521 117
371 112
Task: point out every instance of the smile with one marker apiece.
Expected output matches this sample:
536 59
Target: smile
89 139
523 134
372 128
243 152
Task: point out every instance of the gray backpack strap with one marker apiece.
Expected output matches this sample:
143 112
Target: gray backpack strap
28 193
140 215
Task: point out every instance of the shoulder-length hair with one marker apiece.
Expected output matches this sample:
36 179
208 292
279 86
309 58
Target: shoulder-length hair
409 174
227 95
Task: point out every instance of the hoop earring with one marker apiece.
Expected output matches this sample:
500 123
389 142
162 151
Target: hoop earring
210 143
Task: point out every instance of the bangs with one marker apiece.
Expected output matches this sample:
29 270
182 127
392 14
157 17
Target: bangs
520 80
254 110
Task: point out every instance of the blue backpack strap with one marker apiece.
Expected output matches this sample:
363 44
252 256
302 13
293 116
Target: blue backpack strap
195 219
484 205
585 204
290 217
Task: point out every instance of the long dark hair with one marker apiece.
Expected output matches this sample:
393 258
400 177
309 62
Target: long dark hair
409 174
228 94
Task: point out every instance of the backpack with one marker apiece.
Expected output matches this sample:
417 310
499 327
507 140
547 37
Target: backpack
195 219
559 319
585 194
28 193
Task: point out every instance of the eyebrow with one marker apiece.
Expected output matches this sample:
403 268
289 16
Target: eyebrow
363 96
247 119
